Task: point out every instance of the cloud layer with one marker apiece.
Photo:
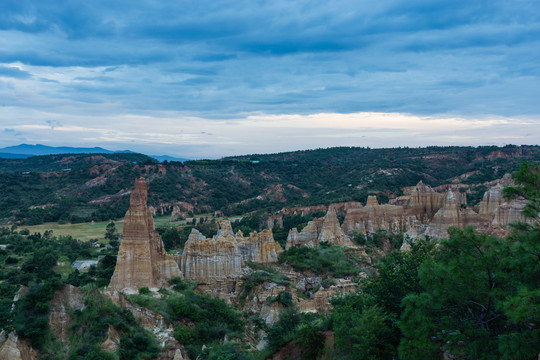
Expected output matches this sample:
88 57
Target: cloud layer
155 68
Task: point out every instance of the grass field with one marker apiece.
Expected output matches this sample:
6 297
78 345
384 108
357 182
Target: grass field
82 231
96 230
92 230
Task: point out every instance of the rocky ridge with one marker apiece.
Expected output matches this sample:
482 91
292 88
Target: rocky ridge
422 211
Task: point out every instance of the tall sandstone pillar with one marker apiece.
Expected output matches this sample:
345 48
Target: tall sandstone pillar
142 259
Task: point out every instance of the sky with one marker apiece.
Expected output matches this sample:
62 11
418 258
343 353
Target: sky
214 78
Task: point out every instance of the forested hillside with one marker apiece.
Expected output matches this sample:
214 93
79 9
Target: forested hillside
77 187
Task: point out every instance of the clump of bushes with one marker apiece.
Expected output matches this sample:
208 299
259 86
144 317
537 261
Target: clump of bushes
199 319
324 259
259 275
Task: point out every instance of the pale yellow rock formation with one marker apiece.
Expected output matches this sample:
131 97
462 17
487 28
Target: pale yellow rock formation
427 212
16 348
259 247
374 217
331 230
318 230
307 237
424 201
491 200
224 255
205 260
448 215
320 301
142 260
509 212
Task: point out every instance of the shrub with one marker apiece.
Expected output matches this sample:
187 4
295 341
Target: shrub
326 258
145 291
10 260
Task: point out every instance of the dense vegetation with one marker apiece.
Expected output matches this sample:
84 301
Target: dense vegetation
72 188
42 262
326 259
198 319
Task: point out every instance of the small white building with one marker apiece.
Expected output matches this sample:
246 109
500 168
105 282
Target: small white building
84 264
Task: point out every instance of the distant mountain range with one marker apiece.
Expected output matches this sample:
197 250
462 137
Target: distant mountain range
24 151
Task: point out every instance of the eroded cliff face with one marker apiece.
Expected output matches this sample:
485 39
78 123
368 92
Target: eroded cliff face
509 212
448 215
206 260
142 260
319 230
171 349
64 302
259 247
424 202
331 230
491 200
424 211
372 217
224 256
16 348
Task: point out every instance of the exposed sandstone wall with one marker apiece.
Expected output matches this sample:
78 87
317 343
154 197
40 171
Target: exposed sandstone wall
259 247
491 200
372 217
309 236
448 215
509 212
427 212
205 260
424 201
15 348
142 260
331 230
64 302
319 230
214 259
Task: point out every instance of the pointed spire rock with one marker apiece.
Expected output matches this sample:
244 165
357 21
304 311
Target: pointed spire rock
142 259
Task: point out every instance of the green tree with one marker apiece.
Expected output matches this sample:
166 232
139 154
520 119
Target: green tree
482 294
465 308
527 180
111 234
362 328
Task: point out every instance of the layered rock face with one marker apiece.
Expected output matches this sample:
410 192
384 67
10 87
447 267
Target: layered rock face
448 215
207 260
142 260
372 217
427 212
424 201
491 200
259 247
319 230
509 212
331 231
15 348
